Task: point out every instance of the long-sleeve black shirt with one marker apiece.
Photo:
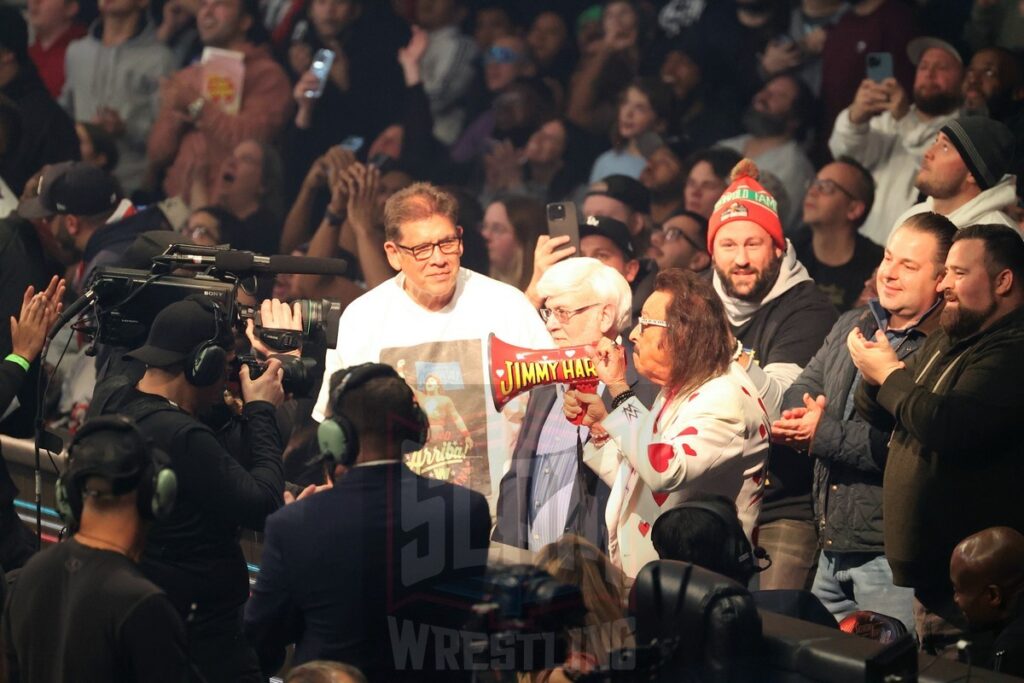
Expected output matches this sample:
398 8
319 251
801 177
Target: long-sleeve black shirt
194 555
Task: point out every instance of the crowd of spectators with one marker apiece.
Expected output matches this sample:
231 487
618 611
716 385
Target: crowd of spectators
800 282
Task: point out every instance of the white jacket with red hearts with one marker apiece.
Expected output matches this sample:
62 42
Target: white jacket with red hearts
713 440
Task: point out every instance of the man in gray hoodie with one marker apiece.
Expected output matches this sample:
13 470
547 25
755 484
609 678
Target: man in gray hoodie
965 174
112 79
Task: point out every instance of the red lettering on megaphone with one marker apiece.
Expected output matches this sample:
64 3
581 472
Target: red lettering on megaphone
515 370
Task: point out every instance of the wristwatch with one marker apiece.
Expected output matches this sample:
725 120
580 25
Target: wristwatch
195 108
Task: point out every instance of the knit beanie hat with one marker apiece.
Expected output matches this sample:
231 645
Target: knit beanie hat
746 200
985 145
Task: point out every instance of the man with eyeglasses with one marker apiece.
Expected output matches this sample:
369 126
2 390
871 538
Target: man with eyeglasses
626 203
834 253
994 84
433 319
546 493
682 243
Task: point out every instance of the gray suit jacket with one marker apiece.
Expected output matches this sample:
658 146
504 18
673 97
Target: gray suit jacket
589 493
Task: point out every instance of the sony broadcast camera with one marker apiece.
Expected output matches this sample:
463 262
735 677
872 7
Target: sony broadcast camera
125 301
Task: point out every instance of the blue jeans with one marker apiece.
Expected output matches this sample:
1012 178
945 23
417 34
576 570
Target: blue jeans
847 582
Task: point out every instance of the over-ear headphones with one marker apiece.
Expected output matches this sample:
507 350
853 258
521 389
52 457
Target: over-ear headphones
337 436
99 449
740 551
205 363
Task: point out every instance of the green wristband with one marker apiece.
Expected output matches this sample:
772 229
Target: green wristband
18 360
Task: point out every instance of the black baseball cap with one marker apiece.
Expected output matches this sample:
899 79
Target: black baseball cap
629 191
180 328
72 187
612 229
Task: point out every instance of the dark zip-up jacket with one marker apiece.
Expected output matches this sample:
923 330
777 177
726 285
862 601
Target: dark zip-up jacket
194 555
956 458
849 454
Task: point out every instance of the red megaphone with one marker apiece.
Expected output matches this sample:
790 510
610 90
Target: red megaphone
515 370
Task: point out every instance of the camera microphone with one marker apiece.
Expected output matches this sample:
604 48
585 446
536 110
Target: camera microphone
247 262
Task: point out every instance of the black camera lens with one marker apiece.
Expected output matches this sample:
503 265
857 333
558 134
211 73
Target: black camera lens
321 315
556 212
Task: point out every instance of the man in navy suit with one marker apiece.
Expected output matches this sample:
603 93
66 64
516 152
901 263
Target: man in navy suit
353 573
546 491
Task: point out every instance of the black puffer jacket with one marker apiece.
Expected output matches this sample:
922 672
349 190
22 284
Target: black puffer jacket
849 454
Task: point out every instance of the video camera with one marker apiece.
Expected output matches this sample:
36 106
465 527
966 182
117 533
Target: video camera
522 619
125 301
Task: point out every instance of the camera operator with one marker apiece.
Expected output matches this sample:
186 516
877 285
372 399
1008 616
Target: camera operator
194 555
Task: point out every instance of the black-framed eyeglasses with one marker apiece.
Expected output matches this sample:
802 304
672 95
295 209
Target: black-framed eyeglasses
828 187
672 234
563 315
422 252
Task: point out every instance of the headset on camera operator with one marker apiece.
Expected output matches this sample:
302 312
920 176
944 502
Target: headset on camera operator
194 555
82 609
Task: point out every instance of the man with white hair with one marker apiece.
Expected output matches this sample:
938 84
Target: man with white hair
546 492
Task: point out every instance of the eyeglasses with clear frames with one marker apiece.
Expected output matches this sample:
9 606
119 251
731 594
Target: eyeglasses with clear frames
651 322
562 315
422 252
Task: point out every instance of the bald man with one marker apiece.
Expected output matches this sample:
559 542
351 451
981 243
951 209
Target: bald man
987 571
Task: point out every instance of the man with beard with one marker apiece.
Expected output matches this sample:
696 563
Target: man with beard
664 176
965 174
776 122
994 83
780 318
956 458
888 134
86 205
